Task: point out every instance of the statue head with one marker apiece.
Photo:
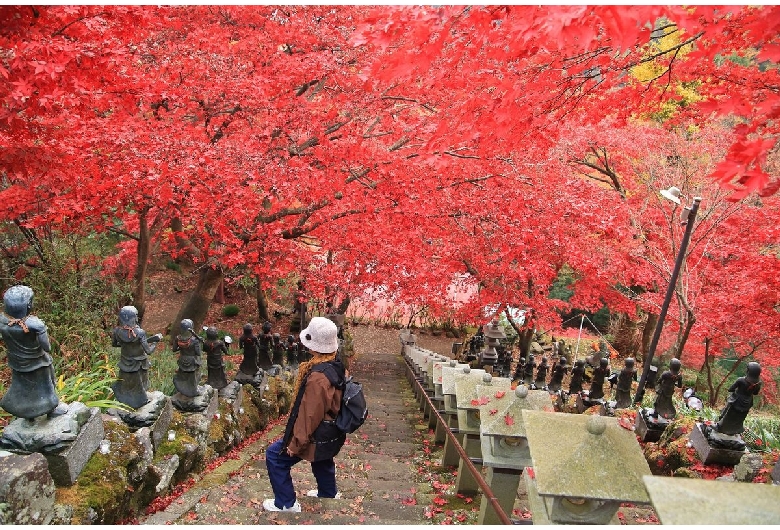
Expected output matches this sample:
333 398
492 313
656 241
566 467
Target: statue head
530 357
675 365
18 301
580 363
562 360
544 360
266 327
248 329
211 333
128 315
290 339
187 325
522 360
753 372
630 363
604 362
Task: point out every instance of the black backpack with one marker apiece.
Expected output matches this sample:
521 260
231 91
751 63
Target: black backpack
354 409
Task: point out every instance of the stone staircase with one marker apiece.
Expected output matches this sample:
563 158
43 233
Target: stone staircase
375 474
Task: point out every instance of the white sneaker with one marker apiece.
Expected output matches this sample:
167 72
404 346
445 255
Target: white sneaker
315 493
269 506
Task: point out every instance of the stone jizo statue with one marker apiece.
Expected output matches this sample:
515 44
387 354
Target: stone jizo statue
599 375
31 392
248 342
133 380
670 379
187 375
558 373
215 349
541 375
577 373
739 402
623 387
519 370
528 370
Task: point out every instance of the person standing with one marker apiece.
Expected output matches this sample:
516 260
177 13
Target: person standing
310 434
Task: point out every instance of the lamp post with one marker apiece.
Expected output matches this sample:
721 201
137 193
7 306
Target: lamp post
688 219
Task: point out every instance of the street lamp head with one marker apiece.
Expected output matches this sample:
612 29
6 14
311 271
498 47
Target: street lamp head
673 194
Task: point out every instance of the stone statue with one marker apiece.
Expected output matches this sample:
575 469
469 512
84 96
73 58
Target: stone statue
265 348
670 379
300 300
519 370
652 374
31 392
559 371
278 349
248 368
215 349
291 347
187 375
577 373
599 375
740 401
528 370
623 387
135 348
541 375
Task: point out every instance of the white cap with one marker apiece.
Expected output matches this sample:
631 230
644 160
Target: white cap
321 335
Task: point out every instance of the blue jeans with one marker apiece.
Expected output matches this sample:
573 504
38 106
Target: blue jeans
279 463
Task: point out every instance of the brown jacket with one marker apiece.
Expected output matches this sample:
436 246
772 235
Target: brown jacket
321 400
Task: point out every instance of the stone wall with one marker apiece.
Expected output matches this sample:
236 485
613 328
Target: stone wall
121 484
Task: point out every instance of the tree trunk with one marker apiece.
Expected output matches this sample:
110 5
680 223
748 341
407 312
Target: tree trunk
219 296
343 305
189 252
647 334
262 303
142 266
197 305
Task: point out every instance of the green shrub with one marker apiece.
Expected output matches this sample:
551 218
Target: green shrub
172 265
230 310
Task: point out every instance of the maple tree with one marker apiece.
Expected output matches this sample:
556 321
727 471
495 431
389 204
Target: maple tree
407 152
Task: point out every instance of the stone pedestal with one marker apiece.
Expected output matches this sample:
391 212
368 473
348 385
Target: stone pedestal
583 403
465 482
450 456
503 483
649 429
246 379
156 415
710 454
234 395
206 403
67 441
65 465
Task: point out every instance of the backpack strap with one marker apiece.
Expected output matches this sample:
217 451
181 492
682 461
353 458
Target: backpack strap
333 371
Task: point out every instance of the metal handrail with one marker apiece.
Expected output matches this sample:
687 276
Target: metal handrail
486 491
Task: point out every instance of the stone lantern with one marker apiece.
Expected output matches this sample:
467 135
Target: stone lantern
450 374
685 501
584 467
493 333
467 401
505 450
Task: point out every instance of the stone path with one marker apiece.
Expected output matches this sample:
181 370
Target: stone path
375 471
